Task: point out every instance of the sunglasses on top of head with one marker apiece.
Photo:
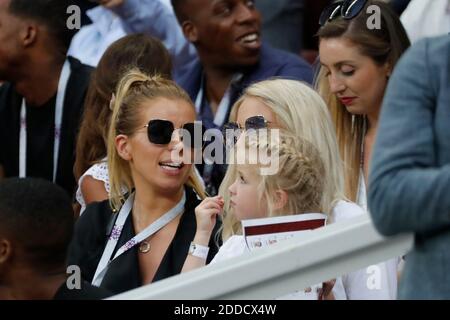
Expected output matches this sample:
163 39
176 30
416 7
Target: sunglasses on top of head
233 129
161 131
347 9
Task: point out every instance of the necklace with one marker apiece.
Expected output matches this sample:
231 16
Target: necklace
144 247
107 256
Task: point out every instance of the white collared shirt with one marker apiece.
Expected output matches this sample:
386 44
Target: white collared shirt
89 44
152 17
426 18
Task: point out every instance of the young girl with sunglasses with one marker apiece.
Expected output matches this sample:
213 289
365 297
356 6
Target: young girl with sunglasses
143 236
295 107
295 188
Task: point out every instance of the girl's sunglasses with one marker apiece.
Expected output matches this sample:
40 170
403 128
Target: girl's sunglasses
347 9
233 129
161 131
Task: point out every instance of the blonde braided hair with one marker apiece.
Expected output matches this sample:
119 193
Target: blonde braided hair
300 174
300 110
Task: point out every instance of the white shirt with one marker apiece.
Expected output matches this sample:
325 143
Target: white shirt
91 41
236 246
376 282
98 171
152 17
426 18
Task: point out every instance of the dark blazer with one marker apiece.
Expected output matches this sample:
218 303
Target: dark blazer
272 63
92 232
282 17
409 189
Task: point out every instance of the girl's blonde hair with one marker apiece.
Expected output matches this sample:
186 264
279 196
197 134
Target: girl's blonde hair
301 111
300 172
134 89
383 45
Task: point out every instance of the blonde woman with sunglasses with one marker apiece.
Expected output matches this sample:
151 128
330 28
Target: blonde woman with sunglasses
143 236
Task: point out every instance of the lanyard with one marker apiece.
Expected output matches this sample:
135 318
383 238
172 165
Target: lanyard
62 85
105 260
224 105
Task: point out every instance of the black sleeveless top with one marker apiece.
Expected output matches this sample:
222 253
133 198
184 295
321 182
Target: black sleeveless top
92 231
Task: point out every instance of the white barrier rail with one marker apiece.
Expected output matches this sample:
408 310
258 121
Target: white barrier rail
318 256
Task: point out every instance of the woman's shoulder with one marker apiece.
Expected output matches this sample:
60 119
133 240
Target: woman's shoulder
344 210
98 171
99 174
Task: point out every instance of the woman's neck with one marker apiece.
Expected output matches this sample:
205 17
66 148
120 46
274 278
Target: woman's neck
372 123
368 143
149 205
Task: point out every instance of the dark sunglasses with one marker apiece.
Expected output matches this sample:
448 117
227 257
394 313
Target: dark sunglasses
161 131
233 129
347 9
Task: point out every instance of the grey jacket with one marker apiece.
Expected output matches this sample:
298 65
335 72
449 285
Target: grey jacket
409 184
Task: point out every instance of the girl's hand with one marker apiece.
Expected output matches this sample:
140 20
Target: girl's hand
206 214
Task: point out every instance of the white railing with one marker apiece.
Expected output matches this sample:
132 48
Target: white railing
318 256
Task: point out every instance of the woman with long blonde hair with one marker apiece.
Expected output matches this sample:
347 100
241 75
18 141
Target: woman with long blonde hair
356 63
360 42
143 236
133 51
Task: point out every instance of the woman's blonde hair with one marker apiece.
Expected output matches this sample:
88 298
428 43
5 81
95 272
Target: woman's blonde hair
301 111
132 51
299 171
349 132
134 89
383 45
